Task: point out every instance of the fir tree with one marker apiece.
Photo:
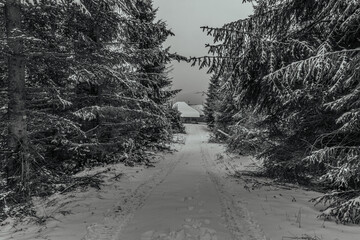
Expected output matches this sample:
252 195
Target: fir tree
147 35
296 63
92 92
211 100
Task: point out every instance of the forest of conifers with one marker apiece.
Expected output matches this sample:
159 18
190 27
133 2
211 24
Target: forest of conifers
285 87
82 83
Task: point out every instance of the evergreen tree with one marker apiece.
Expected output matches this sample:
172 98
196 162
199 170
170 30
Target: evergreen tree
211 100
147 35
296 63
95 84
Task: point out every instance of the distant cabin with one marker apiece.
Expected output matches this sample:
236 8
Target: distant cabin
187 113
200 109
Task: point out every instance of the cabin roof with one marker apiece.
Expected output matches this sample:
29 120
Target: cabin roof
199 108
185 110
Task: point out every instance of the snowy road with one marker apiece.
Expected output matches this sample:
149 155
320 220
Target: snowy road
191 194
190 202
183 198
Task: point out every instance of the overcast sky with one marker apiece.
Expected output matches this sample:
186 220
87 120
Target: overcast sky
184 18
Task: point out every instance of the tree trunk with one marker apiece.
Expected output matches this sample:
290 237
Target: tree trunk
17 138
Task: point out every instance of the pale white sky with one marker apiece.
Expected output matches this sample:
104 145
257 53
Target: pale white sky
184 18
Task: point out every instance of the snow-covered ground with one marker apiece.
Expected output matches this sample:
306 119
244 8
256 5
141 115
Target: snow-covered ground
191 194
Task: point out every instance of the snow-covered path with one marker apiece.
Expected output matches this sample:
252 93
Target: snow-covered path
190 202
196 193
182 198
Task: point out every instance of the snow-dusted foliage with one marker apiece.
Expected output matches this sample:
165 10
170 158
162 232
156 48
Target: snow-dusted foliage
96 85
344 206
296 63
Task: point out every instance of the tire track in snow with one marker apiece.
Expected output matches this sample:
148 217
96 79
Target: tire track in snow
113 225
237 217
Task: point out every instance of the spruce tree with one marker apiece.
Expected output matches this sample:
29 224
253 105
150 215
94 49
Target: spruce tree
93 95
211 100
296 63
147 35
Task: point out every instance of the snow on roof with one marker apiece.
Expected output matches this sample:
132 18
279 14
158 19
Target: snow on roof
186 110
199 108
